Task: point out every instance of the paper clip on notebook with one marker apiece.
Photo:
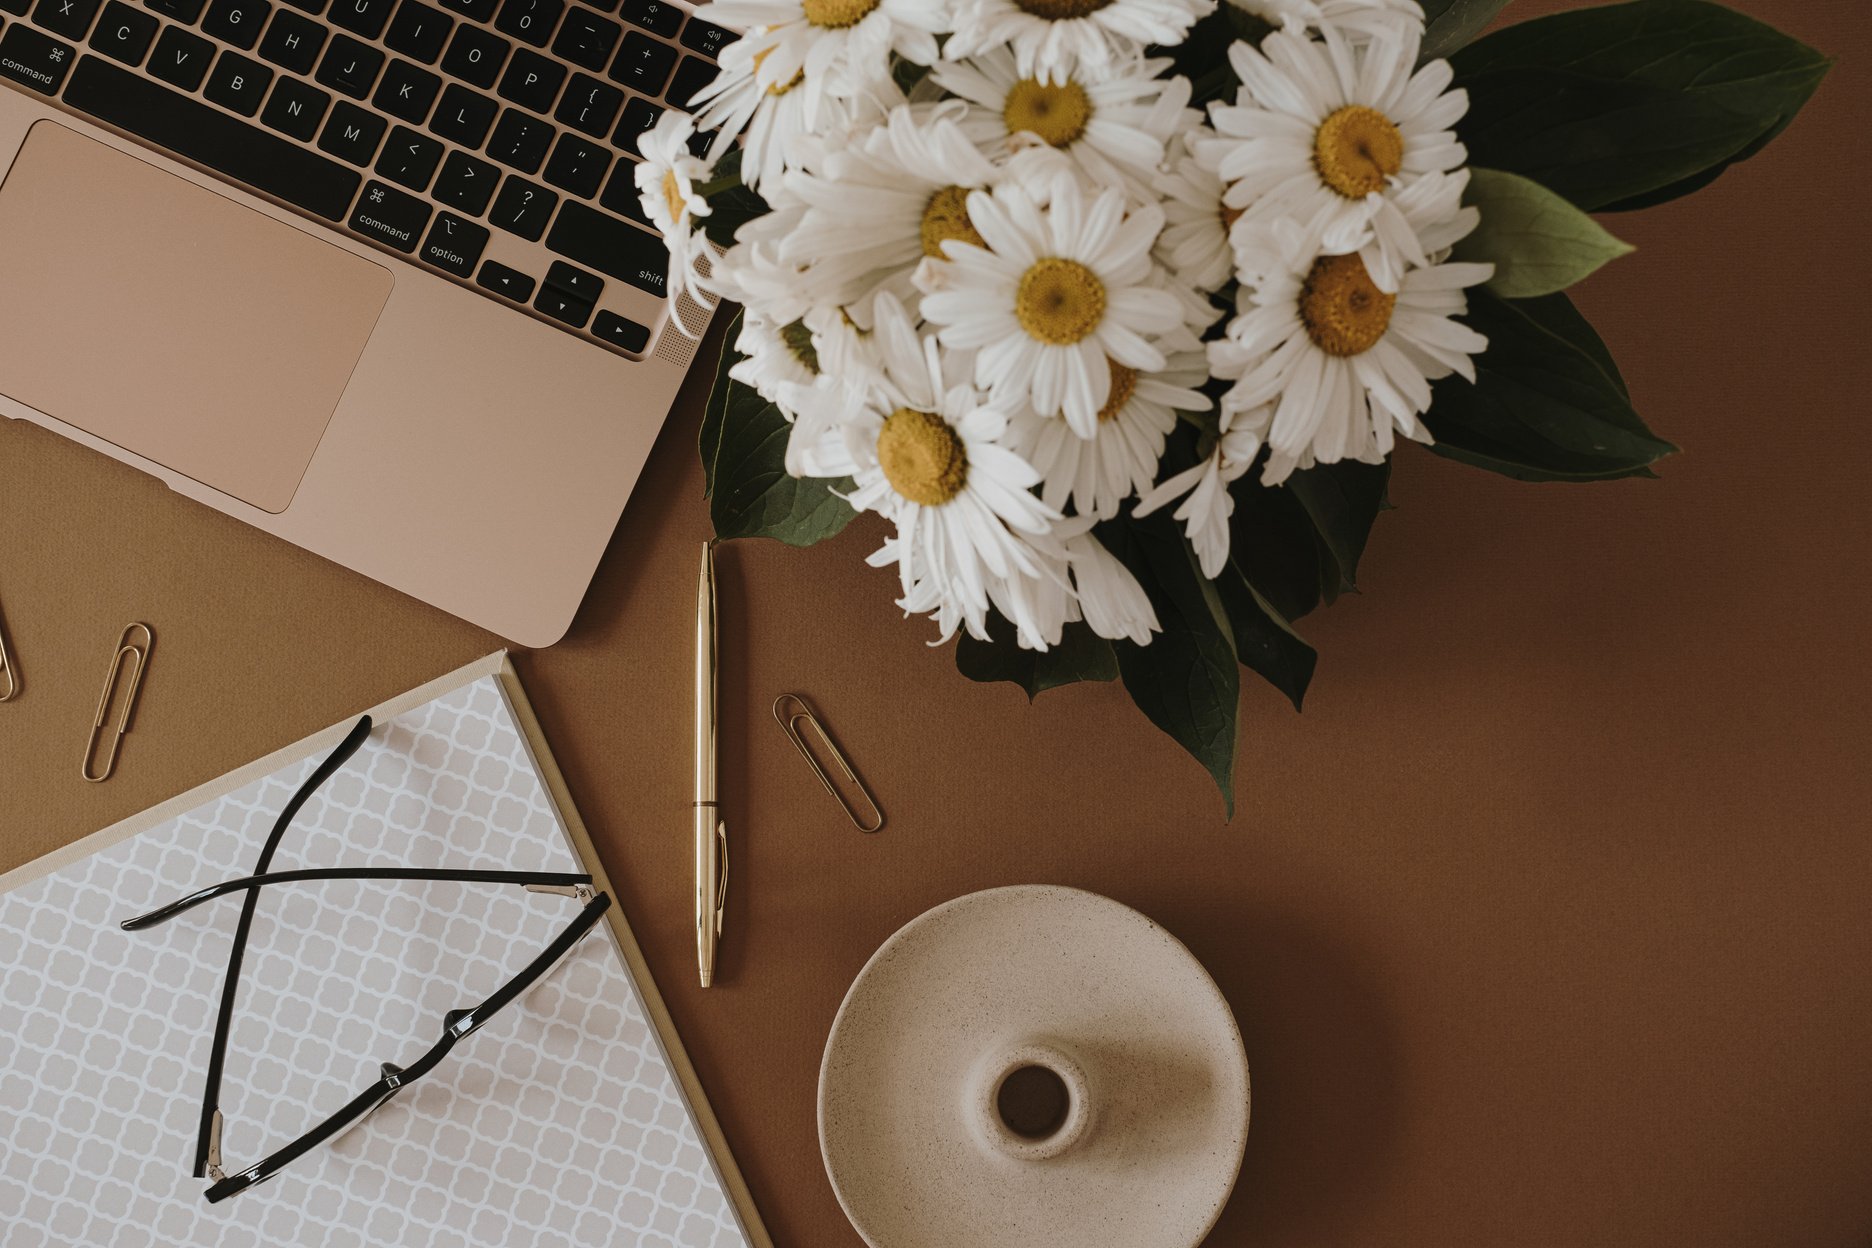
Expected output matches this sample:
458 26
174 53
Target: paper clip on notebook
136 641
789 723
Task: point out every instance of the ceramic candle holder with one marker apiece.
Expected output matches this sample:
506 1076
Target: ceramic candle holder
1029 1102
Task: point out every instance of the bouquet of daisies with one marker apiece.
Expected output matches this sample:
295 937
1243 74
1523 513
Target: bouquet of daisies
1114 311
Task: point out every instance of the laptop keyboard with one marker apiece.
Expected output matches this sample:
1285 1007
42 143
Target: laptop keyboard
493 141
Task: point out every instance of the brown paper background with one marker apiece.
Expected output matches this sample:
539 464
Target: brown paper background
1546 923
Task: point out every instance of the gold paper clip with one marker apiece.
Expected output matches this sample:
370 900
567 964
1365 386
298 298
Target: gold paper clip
139 652
790 725
8 671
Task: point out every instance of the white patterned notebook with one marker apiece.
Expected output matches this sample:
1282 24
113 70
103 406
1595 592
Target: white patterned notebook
563 1120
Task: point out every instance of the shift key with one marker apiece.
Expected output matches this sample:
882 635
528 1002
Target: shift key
389 216
39 61
611 246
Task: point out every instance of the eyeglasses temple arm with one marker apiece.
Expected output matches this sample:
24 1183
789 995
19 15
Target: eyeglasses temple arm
536 881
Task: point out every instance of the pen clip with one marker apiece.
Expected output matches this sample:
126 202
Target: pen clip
721 879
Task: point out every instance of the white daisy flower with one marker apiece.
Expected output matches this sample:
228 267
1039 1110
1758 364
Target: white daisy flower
774 358
1336 366
1056 294
666 185
1109 597
1369 19
1206 510
925 453
836 49
876 208
1120 459
1050 36
1327 126
1195 242
1112 120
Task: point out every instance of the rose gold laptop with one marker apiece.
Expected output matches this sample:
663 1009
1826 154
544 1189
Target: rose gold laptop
367 274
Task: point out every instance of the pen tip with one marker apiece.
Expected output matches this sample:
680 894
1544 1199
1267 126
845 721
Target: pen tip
706 977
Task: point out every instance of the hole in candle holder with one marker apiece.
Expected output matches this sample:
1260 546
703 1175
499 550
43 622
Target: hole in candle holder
1033 1101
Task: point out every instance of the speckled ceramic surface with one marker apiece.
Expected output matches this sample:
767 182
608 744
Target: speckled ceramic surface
1152 1139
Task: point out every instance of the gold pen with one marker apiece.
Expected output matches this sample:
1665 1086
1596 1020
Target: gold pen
711 832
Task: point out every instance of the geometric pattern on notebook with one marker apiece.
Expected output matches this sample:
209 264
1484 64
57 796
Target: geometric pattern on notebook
559 1122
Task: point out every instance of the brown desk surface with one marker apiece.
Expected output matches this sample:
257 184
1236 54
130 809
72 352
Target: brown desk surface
1546 923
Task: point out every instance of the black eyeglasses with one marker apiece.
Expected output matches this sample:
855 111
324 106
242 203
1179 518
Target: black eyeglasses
456 1024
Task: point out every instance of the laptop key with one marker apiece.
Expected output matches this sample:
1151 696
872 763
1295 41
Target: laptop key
409 159
621 194
532 81
71 18
613 247
197 132
577 165
589 105
707 38
123 33
292 42
181 57
464 117
389 216
564 308
296 108
454 244
621 332
349 67
476 10
694 74
639 115
575 282
236 21
520 141
364 18
656 16
587 39
475 56
34 59
523 208
406 92
238 84
352 134
531 21
188 11
466 183
644 64
419 31
502 280
19 8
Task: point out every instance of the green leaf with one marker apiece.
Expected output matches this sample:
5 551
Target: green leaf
1188 679
716 410
749 490
1202 57
1542 407
1274 543
1081 655
731 205
1537 241
1449 24
1557 315
1343 501
1264 642
1619 105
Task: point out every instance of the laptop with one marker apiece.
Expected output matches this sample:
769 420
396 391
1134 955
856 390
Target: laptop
370 275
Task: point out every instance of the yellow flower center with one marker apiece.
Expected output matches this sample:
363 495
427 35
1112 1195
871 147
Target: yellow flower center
1056 111
945 218
1123 386
1356 149
1059 301
673 196
837 14
1342 308
1060 10
799 344
922 457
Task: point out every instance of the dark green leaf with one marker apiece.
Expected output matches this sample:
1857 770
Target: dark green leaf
1274 543
1557 314
1264 642
1202 57
1081 655
1615 105
1449 24
1542 407
1343 501
716 409
1188 679
750 492
731 205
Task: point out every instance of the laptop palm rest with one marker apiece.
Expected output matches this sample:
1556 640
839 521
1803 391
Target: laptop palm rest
171 321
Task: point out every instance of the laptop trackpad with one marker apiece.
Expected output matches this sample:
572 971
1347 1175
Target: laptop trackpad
172 321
